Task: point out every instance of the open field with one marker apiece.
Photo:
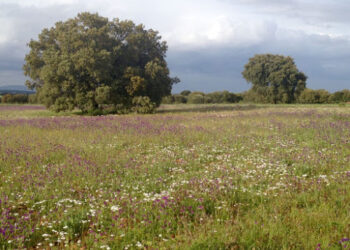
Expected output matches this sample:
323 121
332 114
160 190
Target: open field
272 177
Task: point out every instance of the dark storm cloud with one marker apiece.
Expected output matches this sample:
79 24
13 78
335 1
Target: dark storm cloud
325 61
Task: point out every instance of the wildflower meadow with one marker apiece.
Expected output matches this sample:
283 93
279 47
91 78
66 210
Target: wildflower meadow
263 177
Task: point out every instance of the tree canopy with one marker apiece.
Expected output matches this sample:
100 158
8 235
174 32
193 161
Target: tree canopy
275 78
90 62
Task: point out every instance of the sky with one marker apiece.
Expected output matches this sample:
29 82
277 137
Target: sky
209 41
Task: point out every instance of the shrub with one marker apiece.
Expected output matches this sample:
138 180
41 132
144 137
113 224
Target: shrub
178 98
196 98
168 99
340 96
314 96
143 105
254 97
16 98
223 97
33 99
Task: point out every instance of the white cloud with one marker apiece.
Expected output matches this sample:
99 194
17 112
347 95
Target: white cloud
192 23
196 32
40 3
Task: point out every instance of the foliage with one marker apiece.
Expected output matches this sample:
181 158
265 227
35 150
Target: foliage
314 96
179 98
196 98
275 78
169 99
185 92
223 97
252 96
340 96
16 98
89 61
143 105
33 99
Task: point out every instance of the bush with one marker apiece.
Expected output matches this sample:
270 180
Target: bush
314 96
196 98
33 99
178 98
223 97
168 99
207 99
17 98
254 97
340 96
143 105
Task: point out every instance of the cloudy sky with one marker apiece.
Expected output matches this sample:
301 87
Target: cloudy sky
209 40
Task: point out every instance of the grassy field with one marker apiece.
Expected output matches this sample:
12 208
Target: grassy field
188 177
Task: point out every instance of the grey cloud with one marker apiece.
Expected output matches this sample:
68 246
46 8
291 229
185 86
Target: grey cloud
326 10
265 27
11 77
24 23
326 61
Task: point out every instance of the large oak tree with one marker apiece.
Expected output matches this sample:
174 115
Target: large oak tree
275 78
90 62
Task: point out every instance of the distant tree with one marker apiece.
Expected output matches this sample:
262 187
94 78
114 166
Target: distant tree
169 99
223 97
178 98
275 78
340 96
196 98
89 61
252 96
314 96
33 98
185 92
16 98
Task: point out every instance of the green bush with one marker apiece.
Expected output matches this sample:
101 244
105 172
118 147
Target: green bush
223 97
168 99
33 99
254 97
143 105
314 96
16 98
196 98
340 96
178 98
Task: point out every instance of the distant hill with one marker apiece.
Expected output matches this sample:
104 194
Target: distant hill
15 89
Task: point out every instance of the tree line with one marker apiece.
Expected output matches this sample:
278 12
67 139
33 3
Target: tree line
307 96
19 98
105 66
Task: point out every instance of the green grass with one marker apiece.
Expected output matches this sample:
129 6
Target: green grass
187 177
